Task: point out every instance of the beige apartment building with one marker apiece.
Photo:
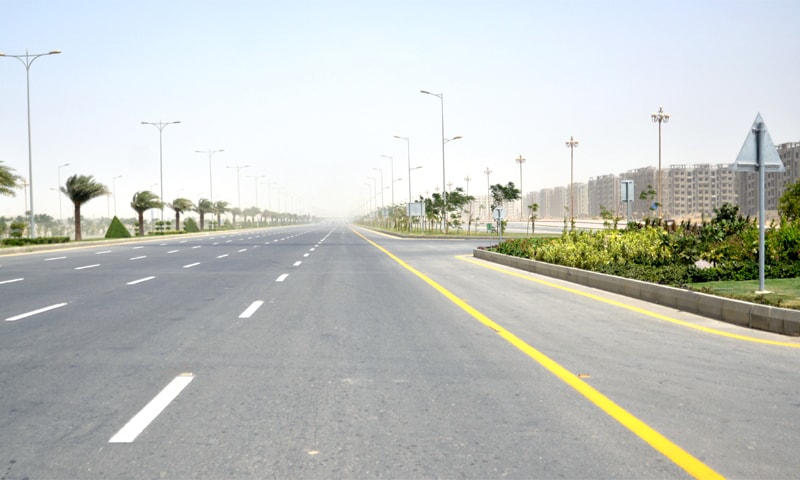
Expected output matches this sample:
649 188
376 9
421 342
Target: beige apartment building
689 191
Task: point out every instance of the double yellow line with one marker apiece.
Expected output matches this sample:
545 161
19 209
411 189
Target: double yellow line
676 454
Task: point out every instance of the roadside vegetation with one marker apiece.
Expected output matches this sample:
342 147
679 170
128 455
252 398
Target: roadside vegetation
711 256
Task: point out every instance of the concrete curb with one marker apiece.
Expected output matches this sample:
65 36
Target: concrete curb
762 317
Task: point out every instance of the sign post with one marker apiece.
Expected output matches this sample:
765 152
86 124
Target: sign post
758 154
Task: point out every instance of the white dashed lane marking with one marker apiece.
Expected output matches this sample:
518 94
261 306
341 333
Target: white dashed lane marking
87 266
29 314
251 309
145 417
140 280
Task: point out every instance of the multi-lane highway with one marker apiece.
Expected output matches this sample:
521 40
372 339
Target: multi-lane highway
328 351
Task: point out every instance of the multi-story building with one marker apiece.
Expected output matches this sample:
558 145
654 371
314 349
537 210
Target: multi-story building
604 192
775 182
689 191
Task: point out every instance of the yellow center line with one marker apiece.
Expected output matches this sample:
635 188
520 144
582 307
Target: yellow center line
660 443
649 313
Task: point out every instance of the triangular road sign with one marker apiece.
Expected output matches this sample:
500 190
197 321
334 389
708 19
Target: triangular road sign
748 159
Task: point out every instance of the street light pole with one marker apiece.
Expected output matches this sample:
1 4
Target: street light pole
488 193
238 189
255 179
383 205
27 60
444 141
391 172
160 126
114 188
210 154
659 117
60 215
571 144
520 160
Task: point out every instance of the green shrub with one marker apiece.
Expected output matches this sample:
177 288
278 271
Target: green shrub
19 242
117 230
190 226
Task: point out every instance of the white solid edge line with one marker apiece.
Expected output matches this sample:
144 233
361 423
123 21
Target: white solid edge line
140 280
282 277
41 310
251 309
12 280
141 420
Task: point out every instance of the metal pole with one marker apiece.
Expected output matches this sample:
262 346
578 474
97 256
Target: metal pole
520 160
488 193
761 208
27 62
114 187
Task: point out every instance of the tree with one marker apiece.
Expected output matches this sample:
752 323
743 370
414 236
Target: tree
235 212
80 189
180 205
504 193
142 202
8 181
533 210
789 203
204 206
218 208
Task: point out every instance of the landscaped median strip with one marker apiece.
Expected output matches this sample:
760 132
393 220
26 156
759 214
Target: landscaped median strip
660 443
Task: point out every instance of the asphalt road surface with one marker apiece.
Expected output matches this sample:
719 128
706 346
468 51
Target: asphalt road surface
327 351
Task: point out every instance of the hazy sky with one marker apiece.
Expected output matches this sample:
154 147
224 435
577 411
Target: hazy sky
311 93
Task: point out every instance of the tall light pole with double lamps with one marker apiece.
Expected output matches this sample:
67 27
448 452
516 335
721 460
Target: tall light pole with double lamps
488 193
238 187
160 126
114 191
210 152
571 144
659 117
444 141
27 60
380 170
391 173
520 161
408 158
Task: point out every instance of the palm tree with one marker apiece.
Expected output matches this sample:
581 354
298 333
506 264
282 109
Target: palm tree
142 202
219 208
80 189
8 181
180 205
204 206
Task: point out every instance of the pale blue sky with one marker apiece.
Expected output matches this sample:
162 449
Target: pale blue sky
310 93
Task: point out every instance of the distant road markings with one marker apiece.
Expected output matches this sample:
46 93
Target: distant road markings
297 263
647 434
173 251
282 277
183 241
242 250
249 311
215 243
54 258
103 252
223 255
145 417
140 280
87 266
12 280
311 250
29 314
198 246
139 257
228 241
191 265
306 254
137 248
